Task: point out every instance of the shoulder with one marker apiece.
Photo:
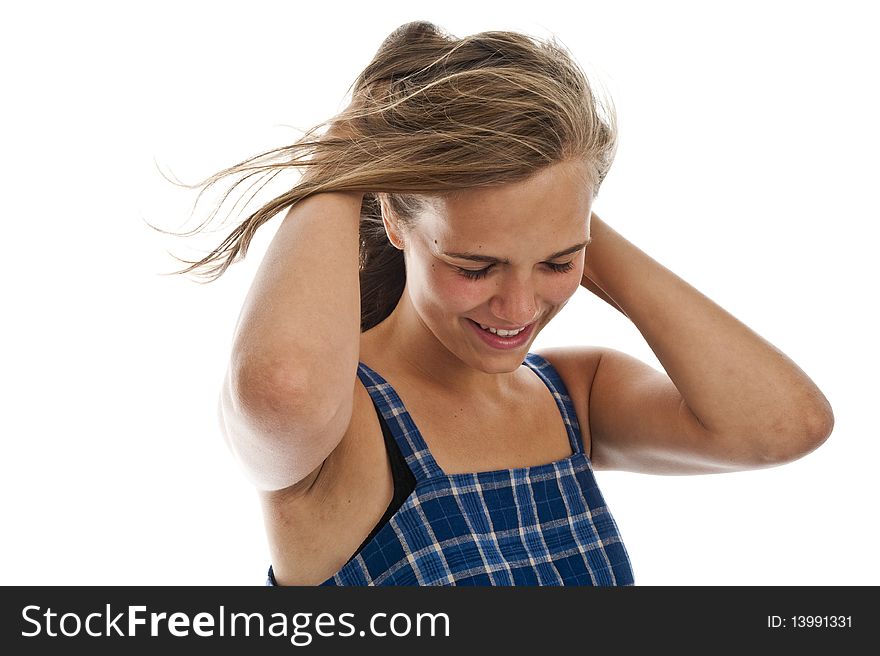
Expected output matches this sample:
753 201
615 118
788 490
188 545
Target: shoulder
638 419
576 365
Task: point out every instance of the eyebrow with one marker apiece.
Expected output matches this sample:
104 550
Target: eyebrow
477 257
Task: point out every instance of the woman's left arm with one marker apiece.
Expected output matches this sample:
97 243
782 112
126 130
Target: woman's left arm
748 396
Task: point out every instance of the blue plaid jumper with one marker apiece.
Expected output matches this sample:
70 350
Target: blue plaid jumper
540 525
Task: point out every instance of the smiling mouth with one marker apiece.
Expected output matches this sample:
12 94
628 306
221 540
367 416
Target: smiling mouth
513 335
502 332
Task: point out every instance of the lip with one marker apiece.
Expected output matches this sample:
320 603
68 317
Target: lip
502 343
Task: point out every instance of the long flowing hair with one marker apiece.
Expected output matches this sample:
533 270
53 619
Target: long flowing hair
431 115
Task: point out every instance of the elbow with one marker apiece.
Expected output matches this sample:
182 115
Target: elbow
818 422
815 424
280 393
819 426
276 436
822 418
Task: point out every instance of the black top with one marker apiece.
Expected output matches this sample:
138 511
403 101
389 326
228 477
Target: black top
404 484
404 481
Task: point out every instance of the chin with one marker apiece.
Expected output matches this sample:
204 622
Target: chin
505 370
502 362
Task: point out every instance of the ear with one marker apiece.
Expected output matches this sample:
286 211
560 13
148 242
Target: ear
391 223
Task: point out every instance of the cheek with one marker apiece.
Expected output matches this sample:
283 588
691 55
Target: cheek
557 289
558 293
450 292
458 293
569 286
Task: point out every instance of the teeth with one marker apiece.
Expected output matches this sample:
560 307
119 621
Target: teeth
501 332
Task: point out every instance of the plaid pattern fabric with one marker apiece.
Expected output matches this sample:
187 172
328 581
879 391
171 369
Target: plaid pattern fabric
541 525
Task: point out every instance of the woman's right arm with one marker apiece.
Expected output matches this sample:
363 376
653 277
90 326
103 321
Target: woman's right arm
288 395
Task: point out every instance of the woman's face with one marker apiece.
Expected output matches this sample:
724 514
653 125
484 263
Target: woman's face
506 258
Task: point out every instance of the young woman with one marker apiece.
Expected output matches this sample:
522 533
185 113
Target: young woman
381 393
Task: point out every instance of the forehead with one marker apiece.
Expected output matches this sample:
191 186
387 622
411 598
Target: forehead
553 203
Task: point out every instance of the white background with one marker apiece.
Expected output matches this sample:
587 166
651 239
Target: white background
747 165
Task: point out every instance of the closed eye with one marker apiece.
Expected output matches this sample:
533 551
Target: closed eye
477 274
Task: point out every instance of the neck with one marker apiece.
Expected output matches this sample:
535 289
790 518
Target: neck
406 346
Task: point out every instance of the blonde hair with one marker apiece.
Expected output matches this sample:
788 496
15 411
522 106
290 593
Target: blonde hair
432 115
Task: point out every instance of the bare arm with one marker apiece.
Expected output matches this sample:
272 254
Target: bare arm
289 392
737 401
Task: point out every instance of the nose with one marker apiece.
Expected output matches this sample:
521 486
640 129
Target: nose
514 302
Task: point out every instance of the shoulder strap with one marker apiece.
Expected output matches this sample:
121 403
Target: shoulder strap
547 373
405 432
